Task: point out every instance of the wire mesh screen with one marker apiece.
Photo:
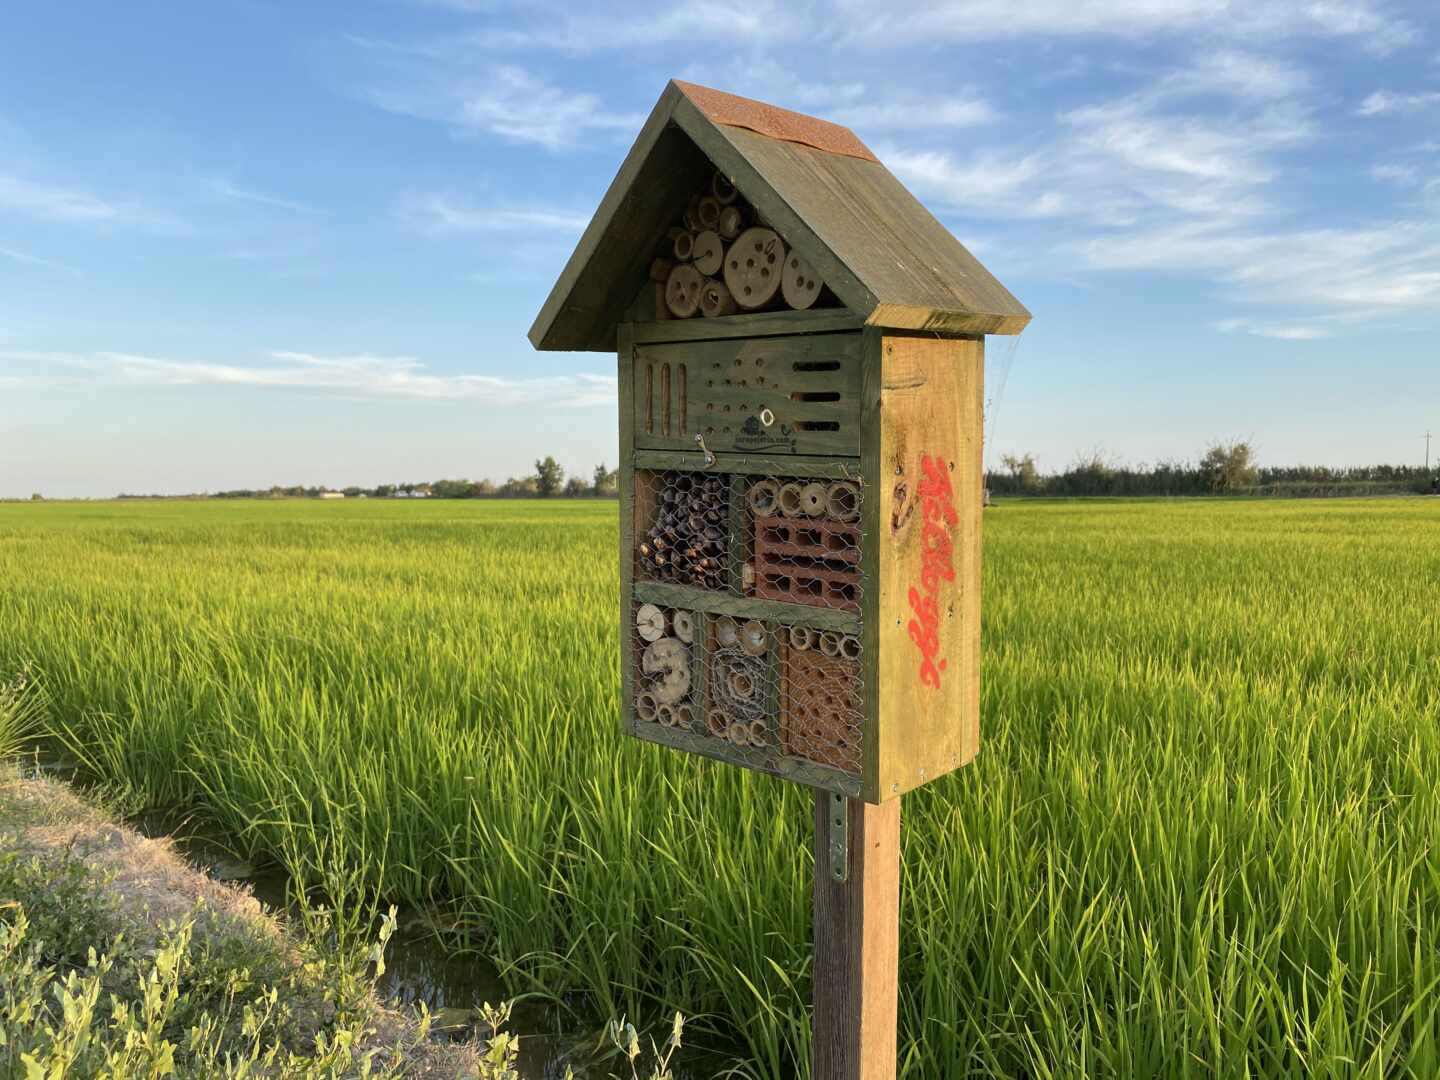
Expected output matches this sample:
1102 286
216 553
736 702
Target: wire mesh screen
779 538
782 683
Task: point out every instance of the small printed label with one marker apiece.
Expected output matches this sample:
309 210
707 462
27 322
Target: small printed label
939 519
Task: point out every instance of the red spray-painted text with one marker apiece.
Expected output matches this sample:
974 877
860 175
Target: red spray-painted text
938 510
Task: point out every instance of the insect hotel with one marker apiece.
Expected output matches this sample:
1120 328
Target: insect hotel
801 365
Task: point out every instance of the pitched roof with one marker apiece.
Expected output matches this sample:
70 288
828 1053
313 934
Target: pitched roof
877 248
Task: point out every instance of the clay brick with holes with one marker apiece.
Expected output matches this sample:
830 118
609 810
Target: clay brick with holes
808 561
820 708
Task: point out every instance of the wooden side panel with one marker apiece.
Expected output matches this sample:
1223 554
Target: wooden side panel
928 589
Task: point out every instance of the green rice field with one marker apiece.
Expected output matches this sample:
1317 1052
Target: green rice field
1200 839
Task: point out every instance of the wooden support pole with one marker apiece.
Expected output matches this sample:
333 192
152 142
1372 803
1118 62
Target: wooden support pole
857 941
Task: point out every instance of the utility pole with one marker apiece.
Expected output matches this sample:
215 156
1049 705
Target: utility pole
1427 451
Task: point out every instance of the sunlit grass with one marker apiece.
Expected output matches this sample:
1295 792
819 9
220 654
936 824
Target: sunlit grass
1197 841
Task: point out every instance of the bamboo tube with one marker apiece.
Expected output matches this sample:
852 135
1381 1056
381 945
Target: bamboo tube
812 499
731 223
717 723
754 638
790 502
707 212
762 497
842 501
830 643
802 638
645 707
723 189
684 246
850 647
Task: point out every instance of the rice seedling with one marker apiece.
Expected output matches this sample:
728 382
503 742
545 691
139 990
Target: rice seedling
1198 840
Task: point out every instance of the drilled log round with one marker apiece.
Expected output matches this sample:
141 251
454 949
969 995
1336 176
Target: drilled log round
830 643
763 496
801 285
708 252
726 632
682 290
645 707
707 212
717 723
850 647
802 638
650 622
753 265
715 300
812 500
842 501
754 638
731 223
684 245
790 502
668 663
684 624
722 189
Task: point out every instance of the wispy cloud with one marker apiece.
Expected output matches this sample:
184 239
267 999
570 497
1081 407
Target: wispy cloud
1396 173
227 190
26 259
507 101
1277 331
53 201
903 21
1383 102
359 376
436 213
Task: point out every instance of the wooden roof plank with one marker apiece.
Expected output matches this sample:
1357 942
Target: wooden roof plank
879 250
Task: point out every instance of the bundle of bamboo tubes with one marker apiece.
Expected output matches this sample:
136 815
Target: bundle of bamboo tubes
720 259
687 542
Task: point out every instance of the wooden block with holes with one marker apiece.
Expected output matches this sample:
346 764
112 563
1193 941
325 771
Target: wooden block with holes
800 376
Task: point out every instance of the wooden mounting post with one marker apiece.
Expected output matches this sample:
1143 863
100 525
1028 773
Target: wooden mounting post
857 938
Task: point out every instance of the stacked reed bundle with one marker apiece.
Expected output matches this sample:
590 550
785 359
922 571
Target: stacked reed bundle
720 259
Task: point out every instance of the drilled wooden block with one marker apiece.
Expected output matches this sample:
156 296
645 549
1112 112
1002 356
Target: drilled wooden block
820 708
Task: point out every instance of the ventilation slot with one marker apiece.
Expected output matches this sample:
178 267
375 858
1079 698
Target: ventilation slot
817 365
665 399
817 425
681 396
649 399
820 395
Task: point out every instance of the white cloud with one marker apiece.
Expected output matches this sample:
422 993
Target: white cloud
435 213
905 21
52 201
505 100
1393 173
898 115
26 259
353 376
1382 102
1277 331
227 190
1361 272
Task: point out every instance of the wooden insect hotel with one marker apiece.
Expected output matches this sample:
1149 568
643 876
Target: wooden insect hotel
801 360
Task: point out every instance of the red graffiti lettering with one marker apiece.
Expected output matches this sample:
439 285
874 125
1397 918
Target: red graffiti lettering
936 565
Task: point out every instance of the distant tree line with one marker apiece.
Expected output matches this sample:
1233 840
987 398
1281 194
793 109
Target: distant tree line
547 481
1227 468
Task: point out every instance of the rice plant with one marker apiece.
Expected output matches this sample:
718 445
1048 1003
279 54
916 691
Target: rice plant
1198 840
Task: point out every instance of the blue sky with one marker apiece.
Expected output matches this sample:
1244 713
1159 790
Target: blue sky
249 242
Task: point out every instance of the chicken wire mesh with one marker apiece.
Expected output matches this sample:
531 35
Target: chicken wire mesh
757 689
789 539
